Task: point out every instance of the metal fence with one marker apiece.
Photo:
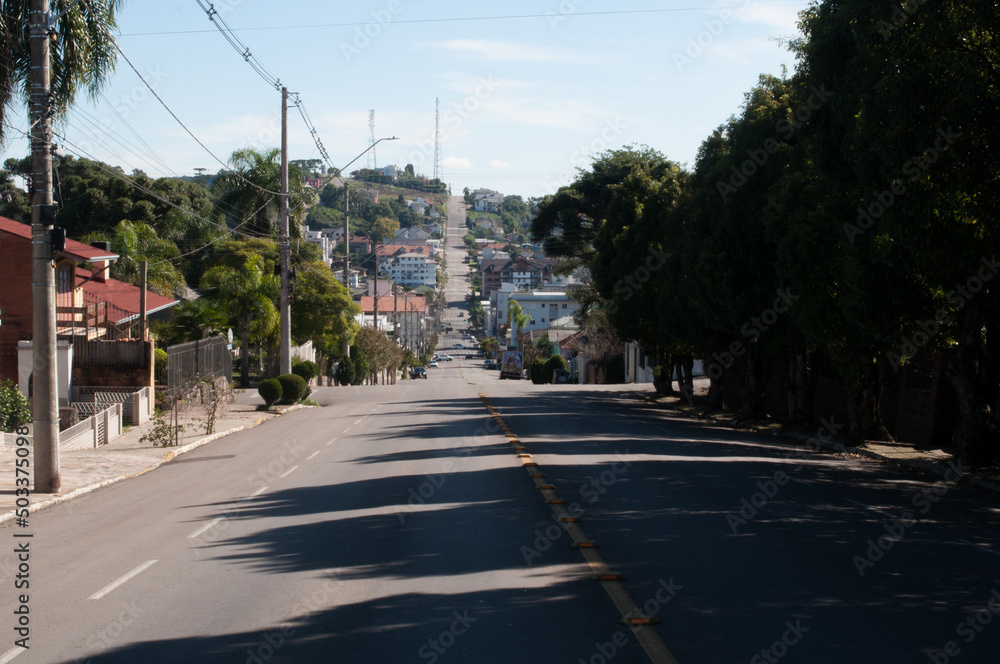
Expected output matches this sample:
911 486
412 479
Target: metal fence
198 359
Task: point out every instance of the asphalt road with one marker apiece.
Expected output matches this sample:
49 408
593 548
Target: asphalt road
396 524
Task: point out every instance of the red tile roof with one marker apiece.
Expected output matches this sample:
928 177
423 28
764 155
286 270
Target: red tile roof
121 295
75 250
411 303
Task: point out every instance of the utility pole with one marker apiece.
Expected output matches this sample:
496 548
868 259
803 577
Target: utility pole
345 346
143 323
45 399
375 317
286 313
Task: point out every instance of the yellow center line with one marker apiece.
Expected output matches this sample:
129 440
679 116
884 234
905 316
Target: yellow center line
632 614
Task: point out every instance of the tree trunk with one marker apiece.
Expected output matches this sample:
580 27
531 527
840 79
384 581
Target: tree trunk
798 386
755 381
975 438
864 417
715 394
686 379
663 380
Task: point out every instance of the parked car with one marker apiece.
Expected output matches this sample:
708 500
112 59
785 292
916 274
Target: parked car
445 358
418 372
432 363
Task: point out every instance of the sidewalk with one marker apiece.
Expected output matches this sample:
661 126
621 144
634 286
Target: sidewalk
83 471
935 462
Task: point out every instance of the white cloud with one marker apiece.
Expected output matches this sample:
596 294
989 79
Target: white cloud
497 163
457 162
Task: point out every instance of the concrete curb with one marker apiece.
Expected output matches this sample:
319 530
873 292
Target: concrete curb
932 467
170 456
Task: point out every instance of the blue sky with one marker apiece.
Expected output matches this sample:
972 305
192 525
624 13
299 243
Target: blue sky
528 91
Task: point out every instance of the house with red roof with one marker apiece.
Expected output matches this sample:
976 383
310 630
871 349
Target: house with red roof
90 305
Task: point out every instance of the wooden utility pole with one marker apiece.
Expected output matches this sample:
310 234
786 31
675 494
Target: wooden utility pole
45 396
285 309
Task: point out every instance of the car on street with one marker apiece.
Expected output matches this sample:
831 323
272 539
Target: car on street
432 363
418 372
445 358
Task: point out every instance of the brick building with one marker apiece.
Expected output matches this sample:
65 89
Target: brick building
89 304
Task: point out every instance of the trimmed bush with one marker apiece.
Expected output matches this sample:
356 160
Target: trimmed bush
308 370
293 387
269 390
553 364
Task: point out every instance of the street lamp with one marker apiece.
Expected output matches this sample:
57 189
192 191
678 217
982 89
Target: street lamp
346 349
347 229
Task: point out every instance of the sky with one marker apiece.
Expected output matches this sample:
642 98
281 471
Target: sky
527 92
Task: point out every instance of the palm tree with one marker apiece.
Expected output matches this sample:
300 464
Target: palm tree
196 319
83 54
249 192
247 294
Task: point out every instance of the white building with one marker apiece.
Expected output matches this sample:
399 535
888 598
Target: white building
325 239
542 307
412 270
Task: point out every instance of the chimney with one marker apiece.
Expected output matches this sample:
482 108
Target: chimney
100 268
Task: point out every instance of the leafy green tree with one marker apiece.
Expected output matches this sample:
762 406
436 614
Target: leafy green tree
249 192
193 320
15 411
14 203
248 295
135 242
383 228
919 203
322 308
476 314
82 54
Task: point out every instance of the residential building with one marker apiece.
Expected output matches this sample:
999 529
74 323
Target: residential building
412 233
487 200
542 307
90 305
412 269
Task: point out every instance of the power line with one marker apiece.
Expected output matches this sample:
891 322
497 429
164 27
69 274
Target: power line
189 132
262 71
511 17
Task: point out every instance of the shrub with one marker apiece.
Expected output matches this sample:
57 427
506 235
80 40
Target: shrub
269 390
308 370
293 387
15 411
537 371
345 371
361 367
160 366
553 364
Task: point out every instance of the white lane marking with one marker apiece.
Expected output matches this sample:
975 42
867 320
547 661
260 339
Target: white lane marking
348 429
358 421
288 472
208 526
978 546
11 654
114 584
312 455
873 509
331 442
258 492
